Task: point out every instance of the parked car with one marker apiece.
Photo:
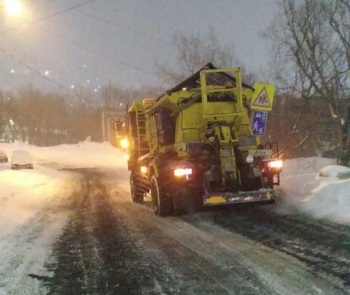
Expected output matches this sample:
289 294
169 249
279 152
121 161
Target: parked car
21 159
3 157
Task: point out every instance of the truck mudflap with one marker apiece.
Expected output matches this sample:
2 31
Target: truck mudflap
239 197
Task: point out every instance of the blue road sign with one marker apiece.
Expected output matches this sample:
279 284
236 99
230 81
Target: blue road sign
259 122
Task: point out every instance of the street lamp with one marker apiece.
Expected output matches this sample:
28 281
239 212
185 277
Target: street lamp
13 7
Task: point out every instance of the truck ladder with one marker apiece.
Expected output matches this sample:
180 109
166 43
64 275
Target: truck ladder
141 142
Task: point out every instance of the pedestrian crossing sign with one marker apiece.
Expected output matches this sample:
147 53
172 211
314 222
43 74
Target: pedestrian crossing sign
259 122
263 96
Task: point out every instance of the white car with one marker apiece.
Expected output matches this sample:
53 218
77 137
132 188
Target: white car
21 159
3 156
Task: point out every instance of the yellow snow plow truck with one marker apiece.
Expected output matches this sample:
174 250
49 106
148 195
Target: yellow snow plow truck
199 144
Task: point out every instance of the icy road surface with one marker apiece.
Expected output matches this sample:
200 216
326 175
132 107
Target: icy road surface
91 239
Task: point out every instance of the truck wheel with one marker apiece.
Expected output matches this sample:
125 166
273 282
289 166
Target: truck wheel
136 194
161 203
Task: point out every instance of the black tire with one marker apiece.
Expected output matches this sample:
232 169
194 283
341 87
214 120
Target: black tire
162 204
136 194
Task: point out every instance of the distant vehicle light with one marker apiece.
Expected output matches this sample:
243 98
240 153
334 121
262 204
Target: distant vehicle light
182 172
143 169
124 143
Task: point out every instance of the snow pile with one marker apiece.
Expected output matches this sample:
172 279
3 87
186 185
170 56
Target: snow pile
317 186
314 185
298 175
25 192
331 198
82 155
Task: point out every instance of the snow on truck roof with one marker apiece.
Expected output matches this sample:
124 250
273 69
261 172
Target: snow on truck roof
217 79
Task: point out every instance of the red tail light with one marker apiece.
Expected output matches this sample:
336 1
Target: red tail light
274 166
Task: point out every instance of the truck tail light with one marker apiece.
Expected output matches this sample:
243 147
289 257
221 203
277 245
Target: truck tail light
182 172
272 166
275 164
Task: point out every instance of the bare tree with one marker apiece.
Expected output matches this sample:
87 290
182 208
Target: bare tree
111 96
2 114
195 51
311 40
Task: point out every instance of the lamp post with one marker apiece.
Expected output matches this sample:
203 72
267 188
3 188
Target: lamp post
13 7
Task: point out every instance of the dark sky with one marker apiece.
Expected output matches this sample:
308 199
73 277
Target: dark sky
90 43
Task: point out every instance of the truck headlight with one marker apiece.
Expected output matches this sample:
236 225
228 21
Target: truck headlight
143 169
124 143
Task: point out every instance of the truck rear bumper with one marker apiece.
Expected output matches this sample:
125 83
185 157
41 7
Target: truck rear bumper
239 197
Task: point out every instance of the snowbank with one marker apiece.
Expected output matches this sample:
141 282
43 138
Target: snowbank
317 186
314 185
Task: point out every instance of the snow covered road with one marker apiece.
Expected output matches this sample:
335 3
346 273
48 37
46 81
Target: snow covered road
69 227
112 246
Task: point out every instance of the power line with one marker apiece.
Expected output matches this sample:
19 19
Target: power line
85 48
94 17
47 17
88 15
148 35
73 42
33 70
109 22
44 76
